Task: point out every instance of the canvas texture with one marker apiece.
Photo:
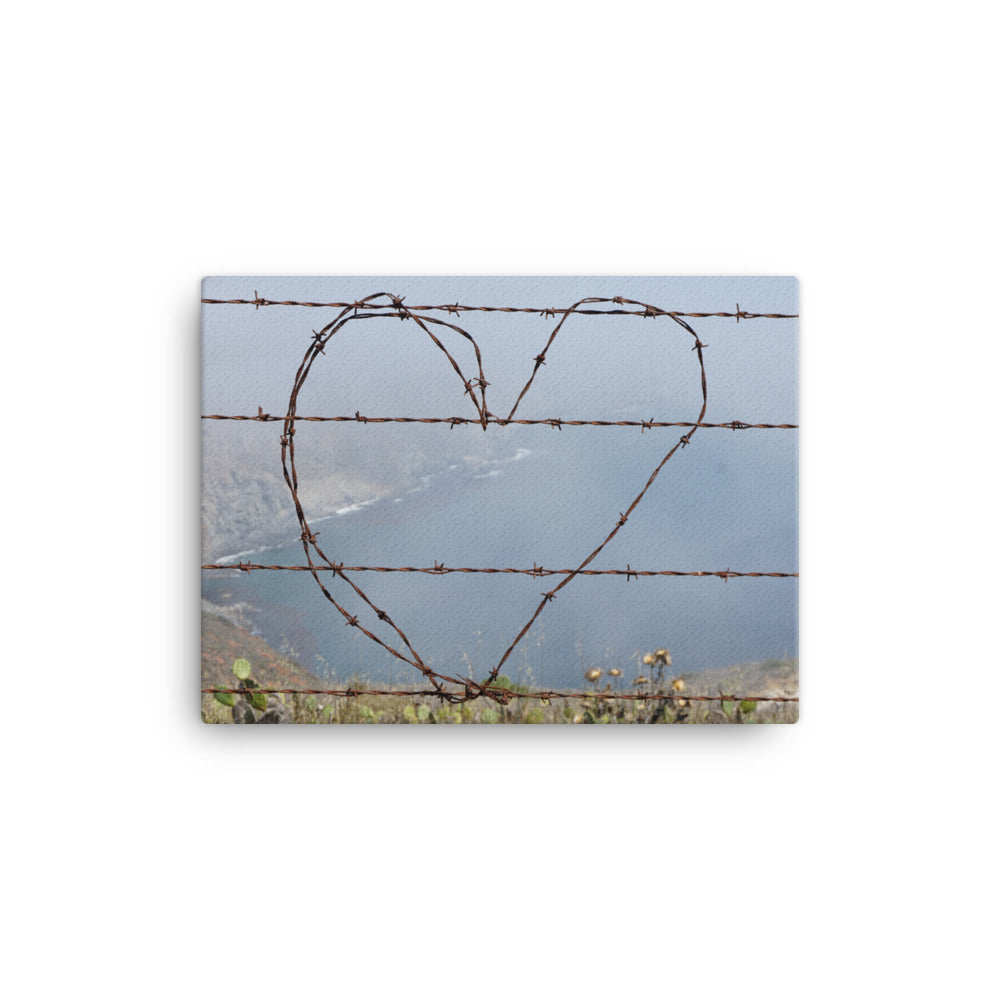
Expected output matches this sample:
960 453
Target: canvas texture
499 500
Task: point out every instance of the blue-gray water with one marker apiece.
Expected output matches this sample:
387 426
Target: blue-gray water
728 501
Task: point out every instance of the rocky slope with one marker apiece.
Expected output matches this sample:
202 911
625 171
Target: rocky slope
224 640
246 504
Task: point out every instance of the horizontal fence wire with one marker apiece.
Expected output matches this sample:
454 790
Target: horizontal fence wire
556 422
464 689
505 695
439 569
457 307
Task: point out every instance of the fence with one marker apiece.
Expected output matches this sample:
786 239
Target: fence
458 689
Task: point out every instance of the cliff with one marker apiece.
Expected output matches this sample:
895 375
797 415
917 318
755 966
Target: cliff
246 504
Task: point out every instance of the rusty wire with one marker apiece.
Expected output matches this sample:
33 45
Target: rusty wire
381 305
504 695
646 311
556 422
439 569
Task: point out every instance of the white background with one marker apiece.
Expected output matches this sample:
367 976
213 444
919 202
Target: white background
850 145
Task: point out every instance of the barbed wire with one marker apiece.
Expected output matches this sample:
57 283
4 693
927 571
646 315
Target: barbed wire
503 695
381 305
557 422
439 569
647 311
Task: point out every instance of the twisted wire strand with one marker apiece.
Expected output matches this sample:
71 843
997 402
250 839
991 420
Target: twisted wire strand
457 307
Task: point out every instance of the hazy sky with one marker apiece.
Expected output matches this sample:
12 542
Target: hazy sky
751 364
728 501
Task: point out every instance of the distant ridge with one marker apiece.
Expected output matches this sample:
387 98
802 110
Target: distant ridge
766 679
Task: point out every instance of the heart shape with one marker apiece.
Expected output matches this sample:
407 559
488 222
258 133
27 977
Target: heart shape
465 689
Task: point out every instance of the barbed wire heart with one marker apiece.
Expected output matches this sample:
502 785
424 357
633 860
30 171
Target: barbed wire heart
380 306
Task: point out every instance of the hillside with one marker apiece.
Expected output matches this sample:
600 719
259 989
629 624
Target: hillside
768 679
223 641
245 501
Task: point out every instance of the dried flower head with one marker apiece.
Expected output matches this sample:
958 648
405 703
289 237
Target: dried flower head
615 672
593 675
640 680
664 655
678 685
648 659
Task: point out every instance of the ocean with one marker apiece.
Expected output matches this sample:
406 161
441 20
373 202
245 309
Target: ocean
549 501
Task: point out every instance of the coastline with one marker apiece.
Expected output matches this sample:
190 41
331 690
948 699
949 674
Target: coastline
275 538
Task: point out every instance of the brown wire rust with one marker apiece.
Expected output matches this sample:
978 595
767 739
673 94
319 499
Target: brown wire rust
439 569
457 308
556 422
505 695
474 386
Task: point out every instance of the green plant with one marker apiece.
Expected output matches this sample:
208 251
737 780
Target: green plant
738 711
370 715
413 714
250 700
503 681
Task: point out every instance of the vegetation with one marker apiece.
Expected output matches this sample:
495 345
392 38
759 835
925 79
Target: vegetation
223 642
244 702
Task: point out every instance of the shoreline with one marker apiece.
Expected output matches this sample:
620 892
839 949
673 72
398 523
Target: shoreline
477 469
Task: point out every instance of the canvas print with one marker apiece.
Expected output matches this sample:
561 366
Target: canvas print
499 500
